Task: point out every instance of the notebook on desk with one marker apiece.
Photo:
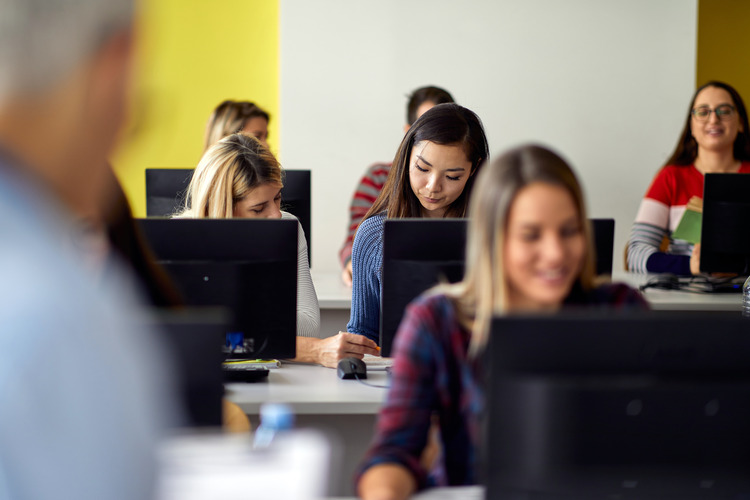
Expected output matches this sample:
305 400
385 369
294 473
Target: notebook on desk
377 363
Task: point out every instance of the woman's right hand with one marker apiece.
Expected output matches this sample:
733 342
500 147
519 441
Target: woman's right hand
330 350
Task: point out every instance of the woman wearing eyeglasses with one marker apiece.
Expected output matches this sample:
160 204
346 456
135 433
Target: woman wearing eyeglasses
714 140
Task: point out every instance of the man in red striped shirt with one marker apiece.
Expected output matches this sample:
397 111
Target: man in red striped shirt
372 181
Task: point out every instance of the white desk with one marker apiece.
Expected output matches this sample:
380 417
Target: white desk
311 390
335 298
674 300
344 409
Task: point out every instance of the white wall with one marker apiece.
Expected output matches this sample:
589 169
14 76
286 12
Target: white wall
604 82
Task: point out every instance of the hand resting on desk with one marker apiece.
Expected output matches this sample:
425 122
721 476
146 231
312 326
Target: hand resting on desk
329 351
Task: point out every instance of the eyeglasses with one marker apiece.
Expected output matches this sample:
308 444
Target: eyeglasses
724 112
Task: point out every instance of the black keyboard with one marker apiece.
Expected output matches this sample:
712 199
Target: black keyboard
245 374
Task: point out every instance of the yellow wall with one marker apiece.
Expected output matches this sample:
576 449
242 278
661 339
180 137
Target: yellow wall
192 55
723 45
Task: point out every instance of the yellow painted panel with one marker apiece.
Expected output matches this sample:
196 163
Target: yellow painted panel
193 54
723 44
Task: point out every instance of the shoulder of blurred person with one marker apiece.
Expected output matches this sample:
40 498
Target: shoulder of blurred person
86 384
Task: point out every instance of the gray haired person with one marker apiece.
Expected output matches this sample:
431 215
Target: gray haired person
83 396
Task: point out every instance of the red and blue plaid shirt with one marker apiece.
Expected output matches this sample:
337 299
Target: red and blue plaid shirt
433 375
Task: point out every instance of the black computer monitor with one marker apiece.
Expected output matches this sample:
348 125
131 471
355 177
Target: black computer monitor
725 229
627 406
603 234
194 338
419 253
246 265
296 199
166 191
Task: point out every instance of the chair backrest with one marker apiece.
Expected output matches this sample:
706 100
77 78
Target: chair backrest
166 190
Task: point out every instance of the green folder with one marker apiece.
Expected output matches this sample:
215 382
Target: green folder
689 228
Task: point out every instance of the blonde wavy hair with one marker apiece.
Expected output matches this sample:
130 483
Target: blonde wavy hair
228 171
483 292
230 117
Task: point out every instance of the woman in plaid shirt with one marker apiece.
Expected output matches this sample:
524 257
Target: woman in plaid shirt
529 250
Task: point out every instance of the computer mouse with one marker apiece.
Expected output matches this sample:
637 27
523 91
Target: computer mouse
352 368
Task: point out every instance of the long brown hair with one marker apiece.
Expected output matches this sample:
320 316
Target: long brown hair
686 150
443 124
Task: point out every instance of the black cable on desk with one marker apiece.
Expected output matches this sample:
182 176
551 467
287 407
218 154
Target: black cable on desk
370 385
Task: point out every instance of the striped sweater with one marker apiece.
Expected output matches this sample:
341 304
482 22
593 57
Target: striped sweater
365 195
658 216
308 310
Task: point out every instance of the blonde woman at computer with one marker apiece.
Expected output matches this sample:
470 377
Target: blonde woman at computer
371 183
528 250
239 177
715 138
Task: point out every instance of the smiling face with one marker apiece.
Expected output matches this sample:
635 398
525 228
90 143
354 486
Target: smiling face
263 202
715 134
438 175
544 247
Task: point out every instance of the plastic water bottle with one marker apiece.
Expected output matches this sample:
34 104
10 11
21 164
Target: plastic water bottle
275 418
746 298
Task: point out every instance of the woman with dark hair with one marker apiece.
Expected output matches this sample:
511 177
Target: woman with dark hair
714 140
370 185
432 176
528 250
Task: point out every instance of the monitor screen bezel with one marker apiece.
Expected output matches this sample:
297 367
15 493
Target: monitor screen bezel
725 223
230 247
545 376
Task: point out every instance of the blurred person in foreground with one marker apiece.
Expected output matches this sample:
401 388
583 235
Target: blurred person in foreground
83 400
